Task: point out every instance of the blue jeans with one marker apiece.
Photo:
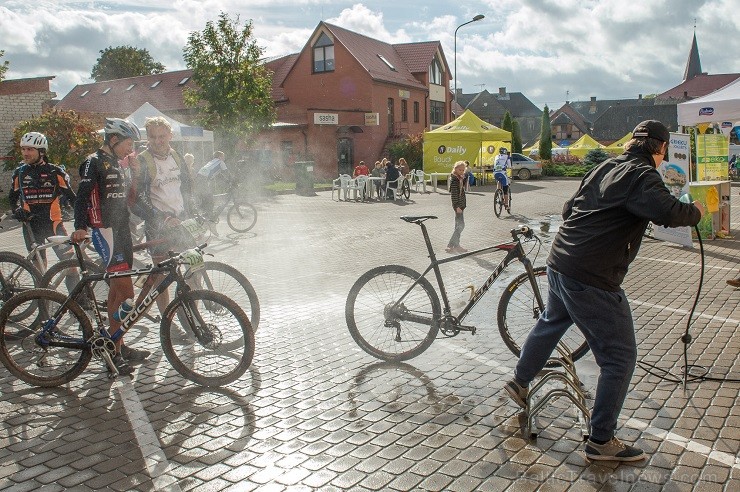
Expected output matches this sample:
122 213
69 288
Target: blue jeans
605 320
459 226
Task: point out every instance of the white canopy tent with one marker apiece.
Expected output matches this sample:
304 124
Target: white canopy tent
716 107
185 139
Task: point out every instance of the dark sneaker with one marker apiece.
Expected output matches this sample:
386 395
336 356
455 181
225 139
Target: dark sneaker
123 368
735 282
134 355
614 450
517 393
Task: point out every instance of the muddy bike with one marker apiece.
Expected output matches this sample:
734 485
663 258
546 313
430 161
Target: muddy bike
394 312
17 274
205 336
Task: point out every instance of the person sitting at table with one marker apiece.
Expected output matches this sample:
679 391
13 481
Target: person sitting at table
377 172
361 170
391 174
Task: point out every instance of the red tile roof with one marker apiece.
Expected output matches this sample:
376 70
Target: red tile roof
418 56
123 99
701 85
366 51
280 67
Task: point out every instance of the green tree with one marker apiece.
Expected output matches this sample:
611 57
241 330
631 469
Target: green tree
71 136
506 123
545 136
595 156
233 93
516 137
410 148
3 66
124 61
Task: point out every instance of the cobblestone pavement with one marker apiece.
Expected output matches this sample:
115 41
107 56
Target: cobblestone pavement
315 412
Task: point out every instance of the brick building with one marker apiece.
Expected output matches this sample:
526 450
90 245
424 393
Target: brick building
21 99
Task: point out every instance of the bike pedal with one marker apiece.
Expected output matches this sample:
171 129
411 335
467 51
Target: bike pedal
471 329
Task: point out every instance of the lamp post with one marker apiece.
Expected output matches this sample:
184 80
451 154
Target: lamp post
476 18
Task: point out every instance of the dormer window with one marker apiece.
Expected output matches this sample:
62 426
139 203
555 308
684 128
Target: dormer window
155 84
385 60
323 54
435 72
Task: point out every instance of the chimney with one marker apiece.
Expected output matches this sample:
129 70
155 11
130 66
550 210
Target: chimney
502 91
639 97
685 94
592 107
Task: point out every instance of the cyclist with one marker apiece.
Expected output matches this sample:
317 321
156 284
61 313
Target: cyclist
163 195
204 184
500 166
35 193
102 206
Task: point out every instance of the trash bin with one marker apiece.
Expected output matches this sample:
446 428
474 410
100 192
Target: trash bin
304 177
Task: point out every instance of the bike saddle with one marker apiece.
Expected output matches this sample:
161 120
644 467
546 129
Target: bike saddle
417 219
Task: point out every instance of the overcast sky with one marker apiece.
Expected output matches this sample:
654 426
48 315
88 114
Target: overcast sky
549 50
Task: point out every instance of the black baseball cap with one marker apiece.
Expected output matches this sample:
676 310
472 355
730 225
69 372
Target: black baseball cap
652 129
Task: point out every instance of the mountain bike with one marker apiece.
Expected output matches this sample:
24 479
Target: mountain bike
241 215
212 275
17 275
394 312
211 345
499 199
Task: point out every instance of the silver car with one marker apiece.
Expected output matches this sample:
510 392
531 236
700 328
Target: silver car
523 167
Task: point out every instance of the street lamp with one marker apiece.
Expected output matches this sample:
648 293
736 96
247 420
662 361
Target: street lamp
476 18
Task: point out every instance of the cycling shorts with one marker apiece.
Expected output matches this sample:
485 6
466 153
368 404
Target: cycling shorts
501 177
115 247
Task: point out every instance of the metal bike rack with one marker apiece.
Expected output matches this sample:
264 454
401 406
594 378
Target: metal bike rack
570 389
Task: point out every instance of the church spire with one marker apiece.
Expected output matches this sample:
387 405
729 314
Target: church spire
693 64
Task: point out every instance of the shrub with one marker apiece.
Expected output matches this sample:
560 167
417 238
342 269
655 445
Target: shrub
595 156
411 148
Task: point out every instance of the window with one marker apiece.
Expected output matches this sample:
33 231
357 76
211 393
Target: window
106 91
416 111
184 81
84 94
436 113
435 72
155 84
130 87
404 110
385 60
323 54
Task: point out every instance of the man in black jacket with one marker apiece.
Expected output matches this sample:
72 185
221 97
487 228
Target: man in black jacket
600 236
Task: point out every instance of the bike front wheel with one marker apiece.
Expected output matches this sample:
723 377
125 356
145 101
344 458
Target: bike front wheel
30 354
223 278
217 345
64 276
386 326
518 311
242 216
17 275
498 202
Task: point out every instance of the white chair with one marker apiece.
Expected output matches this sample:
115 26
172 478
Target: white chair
420 178
396 186
360 186
341 185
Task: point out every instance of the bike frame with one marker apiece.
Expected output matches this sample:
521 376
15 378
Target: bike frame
139 310
515 251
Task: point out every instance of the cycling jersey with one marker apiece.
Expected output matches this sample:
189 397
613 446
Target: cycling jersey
500 165
39 187
212 169
101 197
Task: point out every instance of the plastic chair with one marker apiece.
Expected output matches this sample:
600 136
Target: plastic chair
397 186
360 187
341 185
420 178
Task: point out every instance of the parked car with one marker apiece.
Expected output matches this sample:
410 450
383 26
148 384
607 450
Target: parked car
523 167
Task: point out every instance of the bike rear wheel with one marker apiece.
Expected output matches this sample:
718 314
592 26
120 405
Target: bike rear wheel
389 333
518 311
65 275
498 202
17 275
406 189
217 345
223 278
26 358
242 216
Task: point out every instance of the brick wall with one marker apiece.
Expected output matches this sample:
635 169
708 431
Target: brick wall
20 100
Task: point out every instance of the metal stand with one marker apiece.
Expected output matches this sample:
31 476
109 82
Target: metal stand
571 389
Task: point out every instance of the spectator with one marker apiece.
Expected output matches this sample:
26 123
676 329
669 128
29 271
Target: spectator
361 170
459 202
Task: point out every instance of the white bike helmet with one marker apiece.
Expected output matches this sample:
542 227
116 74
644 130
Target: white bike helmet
122 128
36 140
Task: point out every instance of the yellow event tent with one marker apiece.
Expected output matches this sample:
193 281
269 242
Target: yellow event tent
581 147
536 148
462 139
618 146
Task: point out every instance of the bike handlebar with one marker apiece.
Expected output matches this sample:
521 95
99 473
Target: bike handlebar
522 230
